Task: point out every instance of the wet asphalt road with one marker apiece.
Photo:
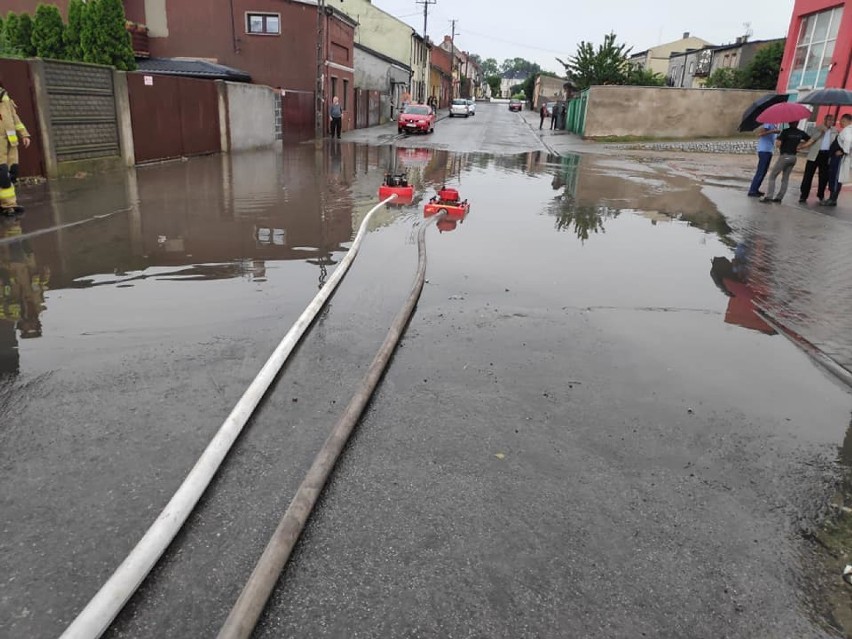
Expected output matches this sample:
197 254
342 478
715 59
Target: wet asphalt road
582 434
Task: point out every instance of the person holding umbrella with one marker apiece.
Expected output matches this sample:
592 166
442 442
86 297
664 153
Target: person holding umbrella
818 158
841 166
765 136
790 141
765 145
834 97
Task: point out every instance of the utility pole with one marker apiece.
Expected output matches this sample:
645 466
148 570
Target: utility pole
426 4
319 116
425 84
453 60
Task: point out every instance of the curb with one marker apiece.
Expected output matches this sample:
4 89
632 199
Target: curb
541 138
837 370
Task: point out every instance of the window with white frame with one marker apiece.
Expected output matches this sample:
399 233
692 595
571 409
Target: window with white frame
815 49
263 23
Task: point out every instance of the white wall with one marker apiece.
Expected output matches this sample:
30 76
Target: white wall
251 115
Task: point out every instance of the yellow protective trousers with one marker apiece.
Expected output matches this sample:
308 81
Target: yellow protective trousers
8 158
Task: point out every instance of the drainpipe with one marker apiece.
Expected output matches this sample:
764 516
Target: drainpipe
234 29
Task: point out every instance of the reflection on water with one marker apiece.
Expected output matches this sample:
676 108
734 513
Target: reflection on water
734 279
23 282
229 216
589 195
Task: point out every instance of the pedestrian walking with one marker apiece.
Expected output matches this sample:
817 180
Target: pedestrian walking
335 113
840 166
818 158
790 141
14 134
543 113
554 116
766 136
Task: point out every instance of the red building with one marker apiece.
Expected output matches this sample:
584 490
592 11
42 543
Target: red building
274 41
819 47
441 77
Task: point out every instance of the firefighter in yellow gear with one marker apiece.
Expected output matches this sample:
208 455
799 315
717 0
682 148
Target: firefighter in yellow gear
13 134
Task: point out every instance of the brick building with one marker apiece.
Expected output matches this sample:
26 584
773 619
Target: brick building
273 41
441 80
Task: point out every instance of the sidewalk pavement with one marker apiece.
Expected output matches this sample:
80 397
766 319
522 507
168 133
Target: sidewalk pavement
799 256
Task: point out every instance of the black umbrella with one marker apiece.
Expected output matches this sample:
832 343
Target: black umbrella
760 105
828 97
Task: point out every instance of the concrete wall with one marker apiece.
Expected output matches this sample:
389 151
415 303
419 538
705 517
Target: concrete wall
82 116
665 112
251 115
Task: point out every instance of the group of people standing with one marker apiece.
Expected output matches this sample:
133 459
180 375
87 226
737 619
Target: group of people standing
829 158
557 113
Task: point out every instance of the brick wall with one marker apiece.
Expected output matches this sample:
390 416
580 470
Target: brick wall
82 111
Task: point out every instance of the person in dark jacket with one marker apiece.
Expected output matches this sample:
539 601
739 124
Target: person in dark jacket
543 113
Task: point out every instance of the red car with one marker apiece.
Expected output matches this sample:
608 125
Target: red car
416 117
515 105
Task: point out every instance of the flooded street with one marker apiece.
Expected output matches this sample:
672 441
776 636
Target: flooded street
588 429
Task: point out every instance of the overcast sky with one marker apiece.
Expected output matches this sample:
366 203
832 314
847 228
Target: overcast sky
540 30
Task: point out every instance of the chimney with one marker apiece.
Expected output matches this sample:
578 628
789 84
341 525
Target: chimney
685 35
447 38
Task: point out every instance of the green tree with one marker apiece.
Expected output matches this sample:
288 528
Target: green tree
71 36
494 82
104 38
762 72
19 31
606 64
47 32
10 28
726 78
641 77
490 67
519 65
6 48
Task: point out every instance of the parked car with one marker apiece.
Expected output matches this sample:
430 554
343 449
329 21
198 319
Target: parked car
459 107
515 105
471 107
416 117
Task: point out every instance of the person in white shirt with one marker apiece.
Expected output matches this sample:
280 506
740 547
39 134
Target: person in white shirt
841 160
818 157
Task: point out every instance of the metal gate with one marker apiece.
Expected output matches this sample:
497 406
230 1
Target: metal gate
576 116
374 104
361 109
297 114
172 117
